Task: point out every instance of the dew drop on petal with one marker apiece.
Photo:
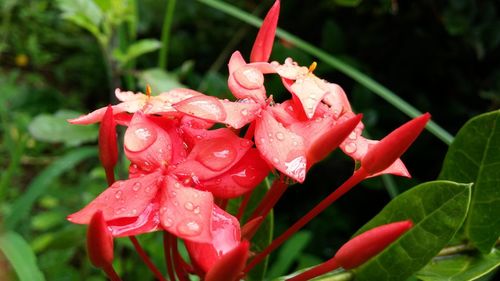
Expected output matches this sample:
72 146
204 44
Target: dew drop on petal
350 147
147 189
136 186
139 137
197 210
189 228
244 112
276 160
133 212
118 194
280 136
352 136
168 223
119 211
188 206
217 154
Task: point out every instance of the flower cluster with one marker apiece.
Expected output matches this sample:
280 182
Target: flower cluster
183 171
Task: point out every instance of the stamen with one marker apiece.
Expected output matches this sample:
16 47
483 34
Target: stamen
148 91
312 67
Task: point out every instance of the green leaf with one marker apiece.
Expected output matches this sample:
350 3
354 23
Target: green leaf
348 3
84 13
159 80
289 252
55 128
21 257
460 267
437 210
136 50
474 156
21 206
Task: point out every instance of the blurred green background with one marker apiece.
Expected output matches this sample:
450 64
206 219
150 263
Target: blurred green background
59 59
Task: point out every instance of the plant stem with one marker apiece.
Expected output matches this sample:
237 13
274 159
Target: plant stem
111 273
168 255
343 67
146 260
356 178
318 270
165 34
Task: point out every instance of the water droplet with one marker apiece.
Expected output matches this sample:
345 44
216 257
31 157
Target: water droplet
197 210
168 223
175 202
177 185
189 228
245 143
280 136
139 137
119 211
133 212
249 77
244 112
147 189
118 194
350 147
136 186
216 154
173 193
188 206
276 160
352 136
295 143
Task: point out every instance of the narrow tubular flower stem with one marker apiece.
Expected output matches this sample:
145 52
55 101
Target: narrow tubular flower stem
146 259
272 196
168 257
243 205
179 269
179 261
318 270
111 273
356 178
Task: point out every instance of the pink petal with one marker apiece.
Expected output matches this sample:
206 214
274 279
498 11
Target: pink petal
162 104
205 107
240 113
337 100
123 199
226 236
146 144
287 113
246 81
215 153
282 148
236 61
249 172
290 69
310 90
147 221
186 212
261 50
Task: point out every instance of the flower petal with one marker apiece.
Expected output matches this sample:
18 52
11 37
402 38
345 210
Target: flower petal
226 236
240 179
282 148
240 113
310 90
337 100
123 199
146 144
186 212
202 106
214 153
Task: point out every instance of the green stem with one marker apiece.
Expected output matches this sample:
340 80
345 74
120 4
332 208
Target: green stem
390 185
165 35
348 70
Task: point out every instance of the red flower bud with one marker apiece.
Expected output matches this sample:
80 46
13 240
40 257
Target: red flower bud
99 242
261 50
368 244
108 149
380 156
230 265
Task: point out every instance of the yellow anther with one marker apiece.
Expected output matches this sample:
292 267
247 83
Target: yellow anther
148 91
312 67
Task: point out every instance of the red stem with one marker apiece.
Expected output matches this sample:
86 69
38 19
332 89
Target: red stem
110 175
111 273
180 271
318 270
272 196
356 178
243 205
146 259
168 256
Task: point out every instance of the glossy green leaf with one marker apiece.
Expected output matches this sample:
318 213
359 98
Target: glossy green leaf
84 13
136 49
56 129
159 80
437 210
460 267
474 156
20 256
21 206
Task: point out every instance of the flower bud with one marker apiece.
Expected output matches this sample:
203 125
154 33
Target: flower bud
99 241
261 50
108 149
368 244
230 265
380 156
